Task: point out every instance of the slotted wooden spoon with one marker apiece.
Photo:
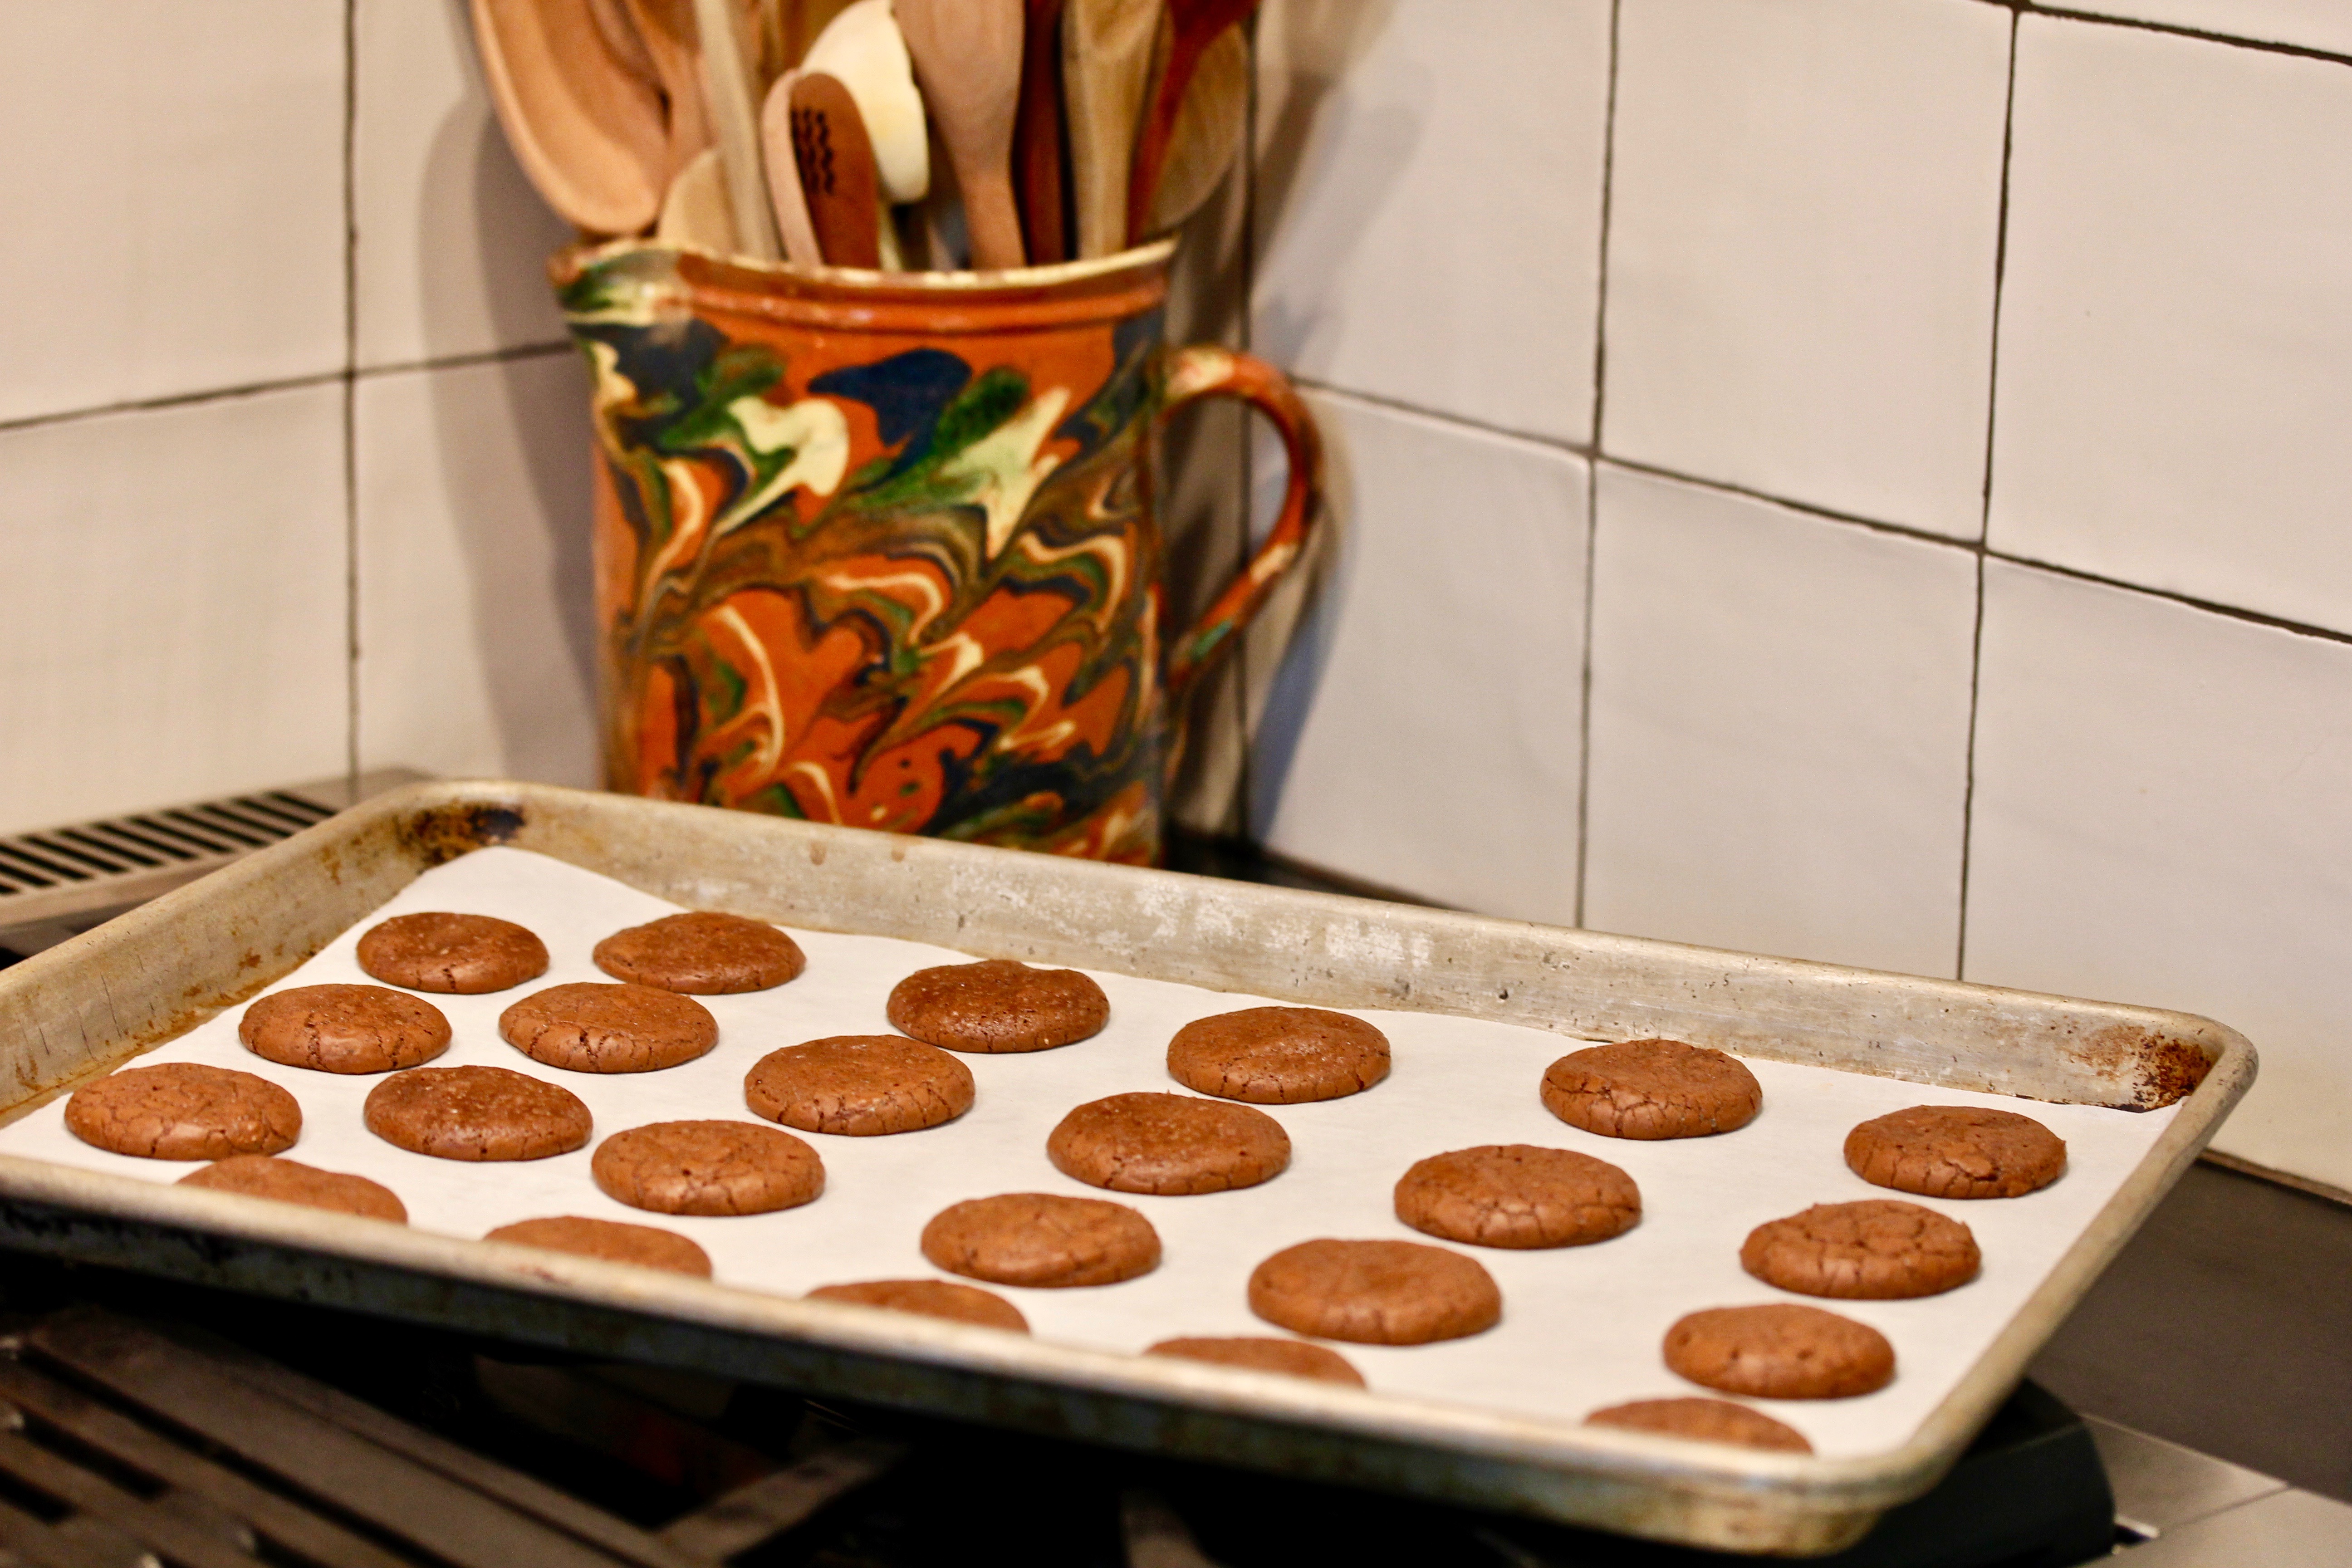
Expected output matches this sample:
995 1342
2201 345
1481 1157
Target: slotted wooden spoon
837 174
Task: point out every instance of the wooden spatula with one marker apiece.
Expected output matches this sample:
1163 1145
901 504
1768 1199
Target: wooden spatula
1208 133
587 133
967 56
1192 25
1039 163
1106 57
836 166
781 165
732 94
695 212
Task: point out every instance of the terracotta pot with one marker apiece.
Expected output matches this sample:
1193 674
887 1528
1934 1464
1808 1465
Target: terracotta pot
879 550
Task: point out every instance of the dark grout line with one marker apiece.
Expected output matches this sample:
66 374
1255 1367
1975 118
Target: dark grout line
350 399
1592 473
465 360
174 400
1901 531
1398 405
2174 29
2227 612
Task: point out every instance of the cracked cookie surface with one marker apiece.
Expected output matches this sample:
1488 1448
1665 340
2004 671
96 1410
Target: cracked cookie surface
859 1086
1779 1352
184 1110
1955 1152
707 1168
1519 1196
1375 1292
1876 1249
998 1006
592 1026
476 1113
344 1028
1042 1239
462 955
1651 1089
1168 1144
1278 1056
291 1182
704 953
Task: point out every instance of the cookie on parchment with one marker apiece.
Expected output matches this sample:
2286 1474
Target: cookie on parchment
612 1240
476 1113
184 1110
1278 1056
1707 1420
1877 1249
1171 1145
1375 1292
932 1299
463 955
1042 1239
859 1086
1519 1196
1651 1089
589 1026
998 1006
1779 1352
704 953
291 1182
344 1028
1955 1152
1258 1353
707 1168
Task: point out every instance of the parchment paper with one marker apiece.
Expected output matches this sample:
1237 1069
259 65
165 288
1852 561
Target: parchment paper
1582 1326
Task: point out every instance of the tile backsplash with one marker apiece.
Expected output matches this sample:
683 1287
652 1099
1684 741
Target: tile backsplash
1853 479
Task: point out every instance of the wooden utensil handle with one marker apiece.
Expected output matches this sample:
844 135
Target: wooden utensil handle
1208 371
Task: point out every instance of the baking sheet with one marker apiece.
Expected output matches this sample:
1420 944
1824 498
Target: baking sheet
1581 1325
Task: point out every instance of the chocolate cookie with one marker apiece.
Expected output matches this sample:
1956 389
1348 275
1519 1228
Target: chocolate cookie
1375 1292
344 1028
1042 1239
611 1240
705 952
476 1113
1516 1194
1259 1353
1779 1352
464 954
859 1085
1278 1056
931 1298
1709 1420
182 1110
1876 1249
1168 1143
291 1182
1955 1152
998 1006
591 1028
708 1168
1651 1089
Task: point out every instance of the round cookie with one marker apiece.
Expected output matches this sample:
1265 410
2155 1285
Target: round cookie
1519 1196
702 951
1707 1420
932 1299
588 1026
291 1182
344 1028
476 1113
1261 1353
1278 1056
1651 1089
1955 1152
1172 1144
461 954
1042 1239
611 1240
998 1006
1877 1249
859 1086
184 1110
1779 1352
707 1168
1375 1292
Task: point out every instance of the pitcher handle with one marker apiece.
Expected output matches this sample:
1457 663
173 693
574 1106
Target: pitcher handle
1206 370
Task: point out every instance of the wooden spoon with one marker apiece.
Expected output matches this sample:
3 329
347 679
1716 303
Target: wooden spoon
838 173
967 58
696 210
1208 133
734 101
1038 161
783 171
1193 25
587 133
666 27
619 31
1106 57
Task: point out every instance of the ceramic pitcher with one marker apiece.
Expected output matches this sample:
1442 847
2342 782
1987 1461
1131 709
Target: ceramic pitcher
880 548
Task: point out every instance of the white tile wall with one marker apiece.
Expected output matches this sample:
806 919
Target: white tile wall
452 241
1804 211
174 183
2311 24
176 617
1429 200
1424 736
1779 729
2160 813
2176 353
476 636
